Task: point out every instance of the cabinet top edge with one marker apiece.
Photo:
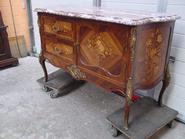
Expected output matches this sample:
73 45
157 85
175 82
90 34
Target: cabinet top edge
125 17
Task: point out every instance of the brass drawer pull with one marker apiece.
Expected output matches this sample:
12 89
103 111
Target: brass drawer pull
62 27
55 28
62 49
56 49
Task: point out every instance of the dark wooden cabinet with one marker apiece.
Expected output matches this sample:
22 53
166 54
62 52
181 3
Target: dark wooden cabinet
6 58
120 53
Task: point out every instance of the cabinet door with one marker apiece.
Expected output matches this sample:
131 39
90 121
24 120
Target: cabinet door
103 49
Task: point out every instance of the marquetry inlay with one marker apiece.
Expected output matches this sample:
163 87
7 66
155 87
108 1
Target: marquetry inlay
99 47
61 26
59 48
97 43
58 27
154 50
101 50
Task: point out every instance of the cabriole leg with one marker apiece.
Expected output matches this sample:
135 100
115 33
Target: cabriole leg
42 62
166 82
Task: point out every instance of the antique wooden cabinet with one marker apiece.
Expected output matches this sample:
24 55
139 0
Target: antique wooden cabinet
119 51
5 54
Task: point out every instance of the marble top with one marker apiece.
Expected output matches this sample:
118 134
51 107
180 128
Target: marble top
125 17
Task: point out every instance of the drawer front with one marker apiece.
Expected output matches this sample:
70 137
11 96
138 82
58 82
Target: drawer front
59 49
60 27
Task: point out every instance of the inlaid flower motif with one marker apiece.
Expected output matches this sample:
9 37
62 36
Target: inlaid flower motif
154 45
97 42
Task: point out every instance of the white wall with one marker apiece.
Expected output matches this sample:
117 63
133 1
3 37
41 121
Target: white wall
52 3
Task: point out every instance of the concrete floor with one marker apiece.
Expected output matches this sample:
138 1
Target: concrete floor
26 112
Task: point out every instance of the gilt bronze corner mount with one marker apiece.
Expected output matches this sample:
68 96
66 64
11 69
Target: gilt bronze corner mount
75 72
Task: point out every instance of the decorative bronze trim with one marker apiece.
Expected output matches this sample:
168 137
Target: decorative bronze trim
129 90
133 43
75 72
55 28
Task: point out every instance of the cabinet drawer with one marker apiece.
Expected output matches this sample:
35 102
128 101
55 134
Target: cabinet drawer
60 27
60 49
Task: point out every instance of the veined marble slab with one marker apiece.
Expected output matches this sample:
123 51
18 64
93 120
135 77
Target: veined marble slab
125 17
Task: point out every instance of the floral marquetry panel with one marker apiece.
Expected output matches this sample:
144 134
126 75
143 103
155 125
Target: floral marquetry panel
102 51
151 53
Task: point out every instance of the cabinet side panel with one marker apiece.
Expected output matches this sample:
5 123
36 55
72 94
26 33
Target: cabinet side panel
153 42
